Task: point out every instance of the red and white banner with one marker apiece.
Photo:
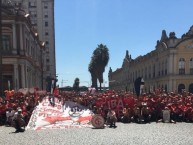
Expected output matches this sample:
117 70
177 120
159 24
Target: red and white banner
71 115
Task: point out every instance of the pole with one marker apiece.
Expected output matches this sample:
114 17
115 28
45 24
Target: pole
1 47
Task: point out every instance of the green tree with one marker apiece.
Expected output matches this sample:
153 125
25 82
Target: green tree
76 85
99 61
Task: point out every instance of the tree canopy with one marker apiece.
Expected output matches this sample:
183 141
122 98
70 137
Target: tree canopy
99 61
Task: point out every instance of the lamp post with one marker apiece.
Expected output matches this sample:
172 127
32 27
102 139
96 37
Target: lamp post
42 65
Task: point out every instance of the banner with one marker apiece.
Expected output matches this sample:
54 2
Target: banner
57 116
116 103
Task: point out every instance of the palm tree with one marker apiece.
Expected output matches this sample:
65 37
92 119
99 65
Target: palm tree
76 85
97 65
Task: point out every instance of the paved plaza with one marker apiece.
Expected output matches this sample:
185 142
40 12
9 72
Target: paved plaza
124 134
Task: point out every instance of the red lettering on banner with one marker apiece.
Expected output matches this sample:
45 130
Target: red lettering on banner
113 103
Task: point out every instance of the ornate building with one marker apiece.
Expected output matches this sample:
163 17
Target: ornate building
169 66
41 14
21 50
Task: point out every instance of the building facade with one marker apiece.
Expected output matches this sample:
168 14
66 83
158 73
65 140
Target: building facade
168 67
41 14
21 50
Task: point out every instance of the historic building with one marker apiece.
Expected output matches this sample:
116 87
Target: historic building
169 66
41 13
21 50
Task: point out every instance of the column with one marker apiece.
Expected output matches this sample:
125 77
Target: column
21 40
27 77
175 64
14 51
16 77
23 85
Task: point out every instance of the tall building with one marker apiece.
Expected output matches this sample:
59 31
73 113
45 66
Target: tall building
169 66
41 13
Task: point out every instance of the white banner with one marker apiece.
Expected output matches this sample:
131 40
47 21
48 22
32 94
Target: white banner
71 115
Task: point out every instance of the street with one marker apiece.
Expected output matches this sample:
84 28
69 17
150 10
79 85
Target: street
124 134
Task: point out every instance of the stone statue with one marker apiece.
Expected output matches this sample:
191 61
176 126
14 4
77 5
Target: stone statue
164 36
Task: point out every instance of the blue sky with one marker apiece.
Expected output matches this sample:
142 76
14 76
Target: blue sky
133 25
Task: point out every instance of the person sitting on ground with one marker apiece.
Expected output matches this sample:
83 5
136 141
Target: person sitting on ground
136 114
111 118
166 116
18 121
126 118
146 114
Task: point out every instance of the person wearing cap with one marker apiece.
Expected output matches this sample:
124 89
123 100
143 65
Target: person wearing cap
18 121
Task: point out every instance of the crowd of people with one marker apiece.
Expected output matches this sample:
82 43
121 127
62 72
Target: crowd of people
125 107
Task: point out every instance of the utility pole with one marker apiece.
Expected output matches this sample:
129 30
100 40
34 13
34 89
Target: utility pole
1 48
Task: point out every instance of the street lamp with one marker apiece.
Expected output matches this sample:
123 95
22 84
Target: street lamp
42 63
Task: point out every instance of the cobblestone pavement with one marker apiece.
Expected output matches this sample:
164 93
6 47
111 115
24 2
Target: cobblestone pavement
124 134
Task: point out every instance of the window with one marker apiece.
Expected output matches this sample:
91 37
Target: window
165 71
146 73
45 5
33 14
46 33
150 72
154 71
46 15
166 67
47 42
6 42
32 4
181 65
162 71
46 24
34 23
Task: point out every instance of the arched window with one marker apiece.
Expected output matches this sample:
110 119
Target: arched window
181 65
181 88
190 89
191 66
162 71
166 66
